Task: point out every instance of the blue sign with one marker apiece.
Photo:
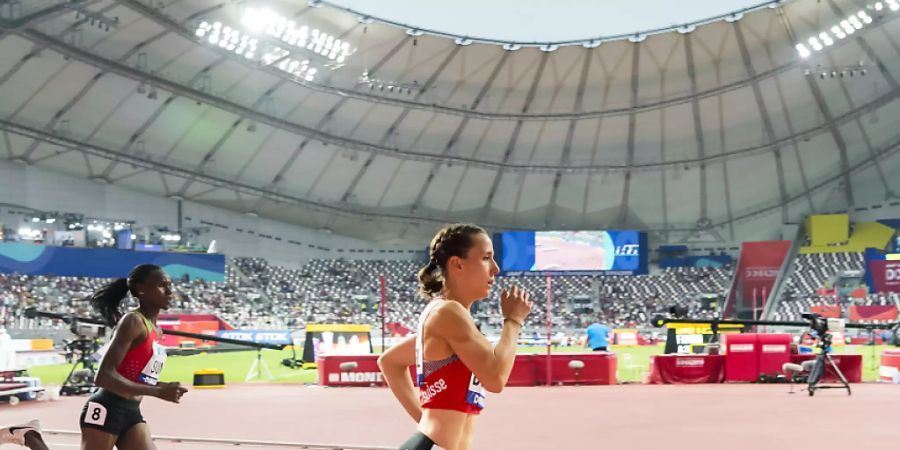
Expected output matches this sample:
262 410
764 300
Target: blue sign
275 337
33 259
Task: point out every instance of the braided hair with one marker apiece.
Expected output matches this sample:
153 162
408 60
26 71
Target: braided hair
452 240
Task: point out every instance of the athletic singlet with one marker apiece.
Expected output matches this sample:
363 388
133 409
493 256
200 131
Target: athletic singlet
142 364
447 383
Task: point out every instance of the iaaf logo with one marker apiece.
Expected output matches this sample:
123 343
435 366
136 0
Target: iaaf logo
627 250
355 377
761 272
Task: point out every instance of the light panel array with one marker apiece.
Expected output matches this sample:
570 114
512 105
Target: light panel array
314 40
299 68
844 28
228 38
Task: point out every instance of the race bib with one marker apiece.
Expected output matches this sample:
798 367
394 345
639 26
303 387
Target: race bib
150 373
475 396
96 414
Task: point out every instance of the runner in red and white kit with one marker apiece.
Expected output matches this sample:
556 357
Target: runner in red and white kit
455 363
132 362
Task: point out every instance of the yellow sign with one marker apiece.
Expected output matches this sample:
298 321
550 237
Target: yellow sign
703 328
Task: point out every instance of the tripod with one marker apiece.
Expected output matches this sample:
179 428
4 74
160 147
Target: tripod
818 370
259 368
80 382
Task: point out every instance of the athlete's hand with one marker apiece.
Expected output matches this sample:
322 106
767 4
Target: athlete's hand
515 304
171 392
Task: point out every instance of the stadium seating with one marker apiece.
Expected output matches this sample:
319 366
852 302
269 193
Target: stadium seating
257 294
814 271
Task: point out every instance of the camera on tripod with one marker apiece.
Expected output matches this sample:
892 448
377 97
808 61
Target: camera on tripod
823 327
87 330
81 351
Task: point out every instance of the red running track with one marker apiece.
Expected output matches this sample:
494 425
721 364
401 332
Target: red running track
676 417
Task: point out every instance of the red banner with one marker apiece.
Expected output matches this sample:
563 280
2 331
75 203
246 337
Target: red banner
209 327
833 311
885 275
759 267
873 312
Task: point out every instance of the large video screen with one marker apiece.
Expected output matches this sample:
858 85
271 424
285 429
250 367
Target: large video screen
573 251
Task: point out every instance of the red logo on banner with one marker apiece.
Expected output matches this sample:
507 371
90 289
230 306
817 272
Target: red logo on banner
759 266
763 273
886 275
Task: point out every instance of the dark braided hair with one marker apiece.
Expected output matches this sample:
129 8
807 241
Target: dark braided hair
108 300
452 240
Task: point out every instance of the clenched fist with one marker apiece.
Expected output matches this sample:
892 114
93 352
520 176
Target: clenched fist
515 304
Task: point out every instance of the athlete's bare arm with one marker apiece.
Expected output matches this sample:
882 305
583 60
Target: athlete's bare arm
130 331
492 365
394 365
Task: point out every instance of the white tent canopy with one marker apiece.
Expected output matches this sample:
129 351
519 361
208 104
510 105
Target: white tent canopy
725 128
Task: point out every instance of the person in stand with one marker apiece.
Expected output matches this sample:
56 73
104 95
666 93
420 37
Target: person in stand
597 336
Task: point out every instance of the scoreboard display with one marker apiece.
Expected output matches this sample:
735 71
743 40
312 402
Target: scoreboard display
572 252
688 338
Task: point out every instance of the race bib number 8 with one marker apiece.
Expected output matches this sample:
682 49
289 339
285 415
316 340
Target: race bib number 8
96 414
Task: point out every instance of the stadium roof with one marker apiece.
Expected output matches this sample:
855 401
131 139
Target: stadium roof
255 107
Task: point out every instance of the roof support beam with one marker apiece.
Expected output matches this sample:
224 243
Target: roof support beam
227 105
726 179
698 125
826 114
767 121
514 138
399 120
566 157
622 219
308 137
167 22
454 138
171 169
892 82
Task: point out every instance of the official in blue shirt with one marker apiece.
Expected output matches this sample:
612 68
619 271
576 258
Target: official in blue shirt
597 336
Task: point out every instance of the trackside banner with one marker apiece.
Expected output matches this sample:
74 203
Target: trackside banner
759 266
275 337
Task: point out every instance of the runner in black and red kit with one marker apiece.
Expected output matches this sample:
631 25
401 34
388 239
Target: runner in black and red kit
455 363
132 362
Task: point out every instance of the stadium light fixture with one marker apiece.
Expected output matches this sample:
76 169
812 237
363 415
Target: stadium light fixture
843 28
300 49
265 21
639 37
